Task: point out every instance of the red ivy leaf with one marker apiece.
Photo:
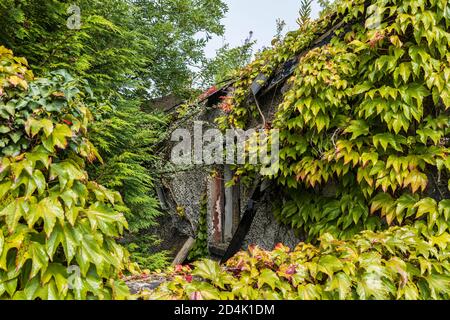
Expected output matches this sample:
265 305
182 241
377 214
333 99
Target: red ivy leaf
178 268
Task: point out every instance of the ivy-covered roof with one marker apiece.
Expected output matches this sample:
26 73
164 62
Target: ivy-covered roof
365 110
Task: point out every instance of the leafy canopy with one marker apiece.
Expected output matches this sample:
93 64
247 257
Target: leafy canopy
130 52
148 47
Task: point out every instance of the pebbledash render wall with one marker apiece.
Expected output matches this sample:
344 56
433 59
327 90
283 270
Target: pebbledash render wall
181 189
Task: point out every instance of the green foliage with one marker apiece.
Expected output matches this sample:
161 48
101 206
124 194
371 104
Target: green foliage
397 264
130 52
280 24
125 138
141 247
326 6
147 46
200 249
304 12
364 125
52 217
318 215
226 63
266 62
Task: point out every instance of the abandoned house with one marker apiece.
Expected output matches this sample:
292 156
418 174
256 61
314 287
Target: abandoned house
236 216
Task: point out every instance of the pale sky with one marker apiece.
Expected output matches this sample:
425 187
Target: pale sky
258 16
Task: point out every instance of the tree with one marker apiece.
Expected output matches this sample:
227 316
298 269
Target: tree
226 63
280 25
126 139
179 31
142 47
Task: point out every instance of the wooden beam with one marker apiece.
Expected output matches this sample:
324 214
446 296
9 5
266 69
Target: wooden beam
184 252
236 206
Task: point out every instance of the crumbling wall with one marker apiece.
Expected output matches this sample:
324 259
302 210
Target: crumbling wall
186 190
183 190
265 231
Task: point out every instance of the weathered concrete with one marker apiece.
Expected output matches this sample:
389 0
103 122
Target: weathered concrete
183 192
137 286
265 231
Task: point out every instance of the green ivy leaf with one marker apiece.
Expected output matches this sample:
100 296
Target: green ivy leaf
329 265
268 277
358 128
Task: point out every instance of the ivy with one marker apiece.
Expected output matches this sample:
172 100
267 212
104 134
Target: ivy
200 249
53 219
399 263
365 116
130 52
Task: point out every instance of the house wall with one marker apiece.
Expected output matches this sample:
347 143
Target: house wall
265 231
184 189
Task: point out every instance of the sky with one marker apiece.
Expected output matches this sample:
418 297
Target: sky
258 16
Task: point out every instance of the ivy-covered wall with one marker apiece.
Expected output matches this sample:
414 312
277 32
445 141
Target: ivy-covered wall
364 166
365 116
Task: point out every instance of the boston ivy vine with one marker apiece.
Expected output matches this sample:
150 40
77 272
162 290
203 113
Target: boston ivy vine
57 228
364 124
395 264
